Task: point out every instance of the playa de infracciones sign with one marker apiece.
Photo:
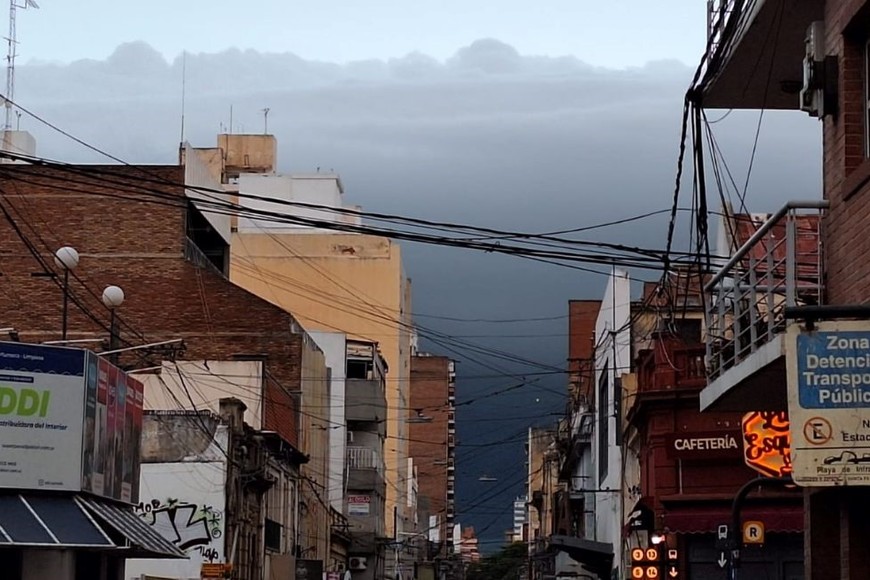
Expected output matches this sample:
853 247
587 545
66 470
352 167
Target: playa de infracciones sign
828 372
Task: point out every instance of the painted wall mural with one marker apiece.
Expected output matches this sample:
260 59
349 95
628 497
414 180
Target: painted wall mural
192 527
184 502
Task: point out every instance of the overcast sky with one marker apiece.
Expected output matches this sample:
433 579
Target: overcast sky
523 117
616 33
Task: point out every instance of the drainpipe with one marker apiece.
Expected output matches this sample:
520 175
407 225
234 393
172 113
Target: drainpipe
736 524
296 515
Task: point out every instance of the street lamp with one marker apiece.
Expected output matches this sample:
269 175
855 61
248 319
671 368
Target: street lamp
66 258
113 297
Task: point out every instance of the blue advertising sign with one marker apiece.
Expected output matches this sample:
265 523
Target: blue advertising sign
828 371
834 370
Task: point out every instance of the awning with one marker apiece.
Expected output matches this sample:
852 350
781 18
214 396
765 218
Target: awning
144 541
705 519
66 521
48 521
597 557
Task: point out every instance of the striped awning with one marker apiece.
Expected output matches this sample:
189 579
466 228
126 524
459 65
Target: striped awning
67 521
141 537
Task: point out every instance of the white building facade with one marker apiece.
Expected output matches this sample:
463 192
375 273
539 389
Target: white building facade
612 360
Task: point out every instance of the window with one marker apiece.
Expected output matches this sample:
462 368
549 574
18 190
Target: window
359 369
689 330
603 422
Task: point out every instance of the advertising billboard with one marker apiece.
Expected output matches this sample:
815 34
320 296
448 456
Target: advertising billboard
829 403
41 416
69 420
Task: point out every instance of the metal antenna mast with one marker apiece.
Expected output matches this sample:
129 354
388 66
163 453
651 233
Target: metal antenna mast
12 43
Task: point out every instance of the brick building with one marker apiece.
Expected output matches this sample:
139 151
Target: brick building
137 227
810 56
432 443
129 236
691 464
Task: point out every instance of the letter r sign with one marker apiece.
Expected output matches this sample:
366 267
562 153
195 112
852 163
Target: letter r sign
753 532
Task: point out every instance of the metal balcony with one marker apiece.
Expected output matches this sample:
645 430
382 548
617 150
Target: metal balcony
364 458
778 266
756 51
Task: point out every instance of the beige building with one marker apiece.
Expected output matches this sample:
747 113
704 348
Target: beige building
330 281
343 282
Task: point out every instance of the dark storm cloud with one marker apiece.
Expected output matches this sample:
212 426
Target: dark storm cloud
489 136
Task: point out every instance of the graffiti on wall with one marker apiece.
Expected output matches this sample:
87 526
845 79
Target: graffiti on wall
194 528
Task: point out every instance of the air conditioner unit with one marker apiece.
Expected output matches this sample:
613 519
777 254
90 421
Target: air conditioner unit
357 563
812 94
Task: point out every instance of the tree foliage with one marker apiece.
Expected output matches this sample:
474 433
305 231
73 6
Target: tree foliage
503 565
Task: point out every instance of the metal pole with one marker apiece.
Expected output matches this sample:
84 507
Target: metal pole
65 302
736 525
113 339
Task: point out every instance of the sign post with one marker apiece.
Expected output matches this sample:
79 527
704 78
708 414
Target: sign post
828 370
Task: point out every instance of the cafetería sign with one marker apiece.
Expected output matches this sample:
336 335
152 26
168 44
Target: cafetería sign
703 445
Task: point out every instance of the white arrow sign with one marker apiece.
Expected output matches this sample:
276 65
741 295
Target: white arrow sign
722 560
672 572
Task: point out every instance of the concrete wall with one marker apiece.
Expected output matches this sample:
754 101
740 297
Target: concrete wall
347 283
182 483
199 172
185 503
334 345
320 189
252 153
315 434
206 382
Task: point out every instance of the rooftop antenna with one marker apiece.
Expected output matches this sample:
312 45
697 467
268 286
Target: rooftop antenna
183 87
231 119
266 121
12 42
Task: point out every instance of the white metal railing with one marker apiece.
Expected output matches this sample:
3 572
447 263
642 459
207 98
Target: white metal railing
779 266
364 458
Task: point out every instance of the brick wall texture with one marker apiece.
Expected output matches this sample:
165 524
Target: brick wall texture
846 168
428 441
128 224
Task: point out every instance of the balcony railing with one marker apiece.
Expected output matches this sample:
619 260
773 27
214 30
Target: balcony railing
364 458
779 266
193 254
671 365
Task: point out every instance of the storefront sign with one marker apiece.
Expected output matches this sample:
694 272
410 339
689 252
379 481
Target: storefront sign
767 442
358 505
829 403
62 427
703 445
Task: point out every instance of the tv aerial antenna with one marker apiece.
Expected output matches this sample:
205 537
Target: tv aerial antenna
11 53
